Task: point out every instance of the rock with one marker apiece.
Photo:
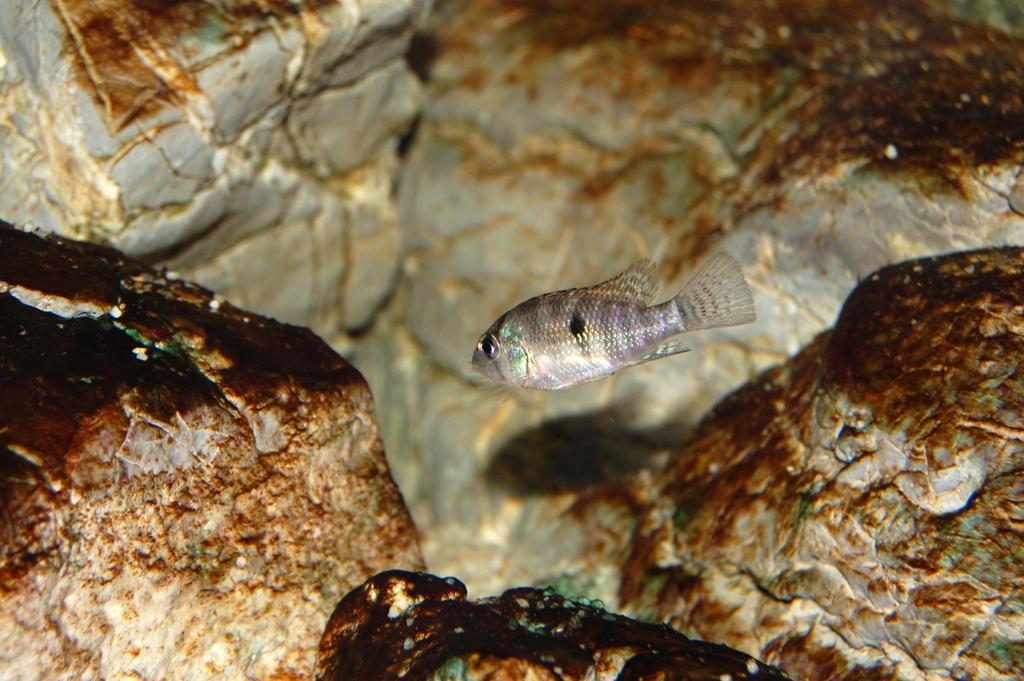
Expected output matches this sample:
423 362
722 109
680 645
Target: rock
228 142
1017 196
855 513
186 488
402 625
1005 15
561 142
851 514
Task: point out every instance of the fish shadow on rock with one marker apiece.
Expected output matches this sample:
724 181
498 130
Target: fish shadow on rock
576 452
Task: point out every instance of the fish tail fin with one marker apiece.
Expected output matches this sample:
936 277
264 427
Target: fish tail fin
717 295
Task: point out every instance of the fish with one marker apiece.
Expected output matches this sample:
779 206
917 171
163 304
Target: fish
567 338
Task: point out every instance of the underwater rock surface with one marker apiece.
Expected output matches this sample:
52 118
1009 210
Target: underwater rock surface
1005 15
816 142
415 626
857 512
186 489
853 514
250 145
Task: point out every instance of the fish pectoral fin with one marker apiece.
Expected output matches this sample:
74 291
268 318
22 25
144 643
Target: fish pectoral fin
635 285
545 373
667 349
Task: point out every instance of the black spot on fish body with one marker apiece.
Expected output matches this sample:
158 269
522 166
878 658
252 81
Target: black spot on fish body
576 325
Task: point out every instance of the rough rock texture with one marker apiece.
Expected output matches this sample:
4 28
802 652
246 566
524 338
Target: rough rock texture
249 144
186 489
402 625
854 514
815 141
857 512
1005 15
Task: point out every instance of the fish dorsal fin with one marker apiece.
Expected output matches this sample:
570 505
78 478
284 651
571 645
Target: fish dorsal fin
635 285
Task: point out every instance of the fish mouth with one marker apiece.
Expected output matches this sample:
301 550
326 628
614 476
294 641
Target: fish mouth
475 363
486 368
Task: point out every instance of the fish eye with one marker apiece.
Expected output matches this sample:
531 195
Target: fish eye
489 346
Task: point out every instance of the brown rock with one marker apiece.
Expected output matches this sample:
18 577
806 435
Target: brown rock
856 513
401 625
185 489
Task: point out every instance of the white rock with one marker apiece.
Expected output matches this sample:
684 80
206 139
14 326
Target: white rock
342 127
175 150
243 86
340 250
164 184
